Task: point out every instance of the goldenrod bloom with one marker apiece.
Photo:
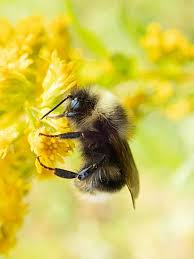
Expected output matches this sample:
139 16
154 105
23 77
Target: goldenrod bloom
14 184
60 78
58 36
51 151
30 34
166 44
178 110
13 59
30 83
6 31
7 136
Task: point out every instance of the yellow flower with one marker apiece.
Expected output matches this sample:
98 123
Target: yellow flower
170 40
178 110
15 90
22 98
135 95
152 41
30 34
13 59
14 185
166 44
92 71
6 31
163 90
134 101
154 28
51 151
12 206
7 136
58 36
60 78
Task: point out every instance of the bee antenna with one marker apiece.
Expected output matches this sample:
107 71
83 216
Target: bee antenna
56 106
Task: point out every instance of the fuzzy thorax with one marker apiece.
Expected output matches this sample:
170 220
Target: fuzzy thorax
104 105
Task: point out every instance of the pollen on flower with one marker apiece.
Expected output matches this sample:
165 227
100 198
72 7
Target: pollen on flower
51 151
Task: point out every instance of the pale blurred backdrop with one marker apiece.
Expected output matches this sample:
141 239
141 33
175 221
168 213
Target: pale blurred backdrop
59 224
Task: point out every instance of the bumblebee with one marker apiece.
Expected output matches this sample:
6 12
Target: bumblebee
101 125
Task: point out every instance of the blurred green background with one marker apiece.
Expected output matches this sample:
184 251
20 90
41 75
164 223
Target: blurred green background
61 225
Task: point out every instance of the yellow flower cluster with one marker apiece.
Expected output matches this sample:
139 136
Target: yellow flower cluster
59 79
32 45
14 184
167 44
165 96
36 70
180 109
7 136
166 84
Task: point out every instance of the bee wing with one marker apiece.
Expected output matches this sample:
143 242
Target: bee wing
127 165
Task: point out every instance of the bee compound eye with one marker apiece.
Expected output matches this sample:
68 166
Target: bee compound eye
75 103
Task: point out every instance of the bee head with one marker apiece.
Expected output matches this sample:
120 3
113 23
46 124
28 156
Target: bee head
82 103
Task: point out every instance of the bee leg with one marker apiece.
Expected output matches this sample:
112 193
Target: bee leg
83 174
67 135
62 115
86 172
59 172
72 135
65 173
65 114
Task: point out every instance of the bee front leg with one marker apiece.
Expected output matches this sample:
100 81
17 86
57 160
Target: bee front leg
67 135
86 172
65 173
59 172
65 114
